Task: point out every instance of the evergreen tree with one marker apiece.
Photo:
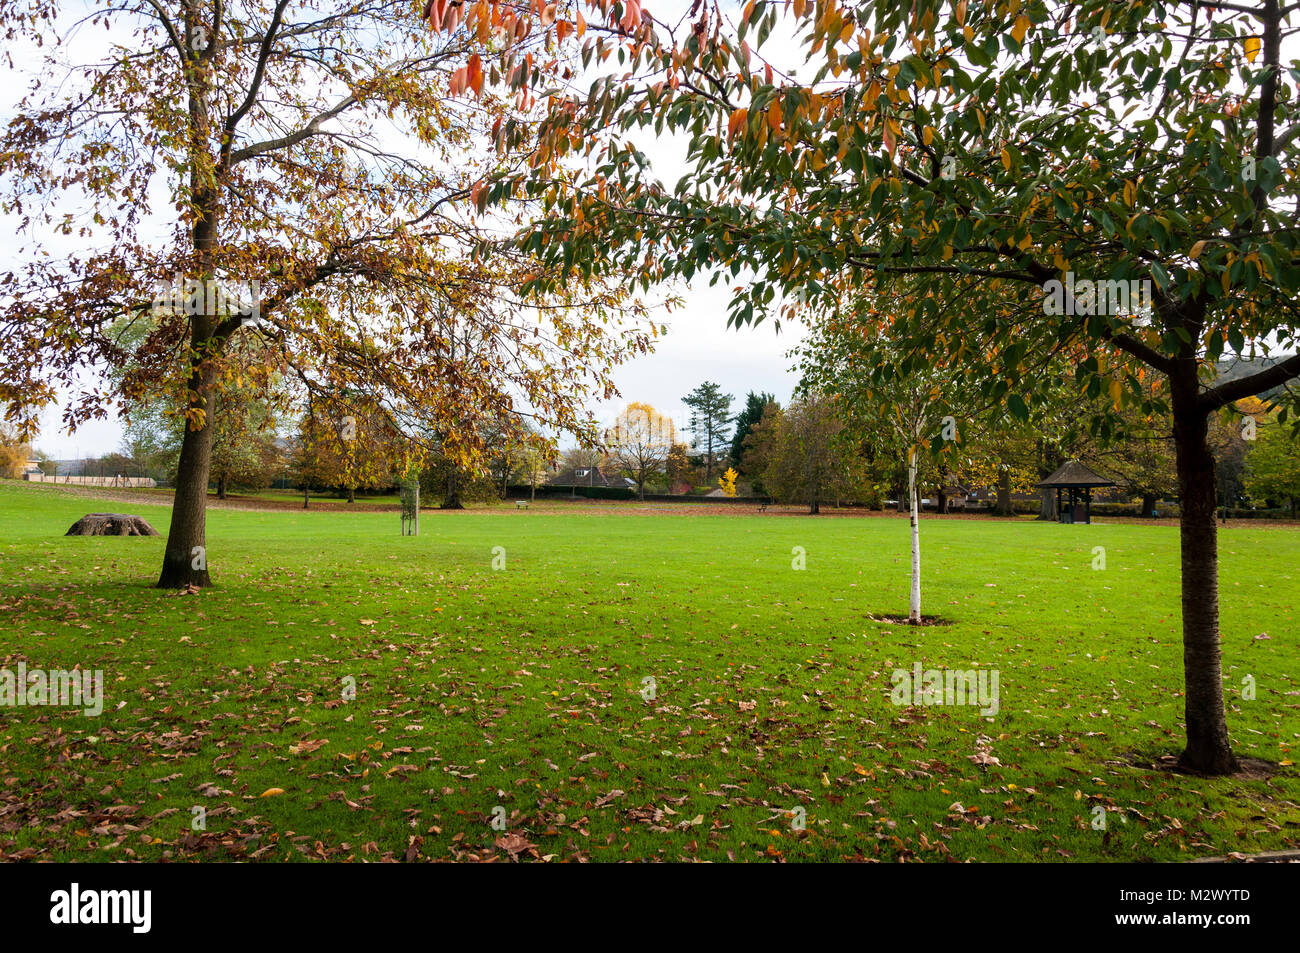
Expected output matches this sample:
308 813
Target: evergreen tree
711 422
745 421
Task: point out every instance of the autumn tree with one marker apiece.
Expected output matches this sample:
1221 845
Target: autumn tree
1130 168
807 462
518 450
903 407
640 440
1272 474
14 452
535 463
354 451
678 467
312 155
727 482
760 444
580 457
1141 456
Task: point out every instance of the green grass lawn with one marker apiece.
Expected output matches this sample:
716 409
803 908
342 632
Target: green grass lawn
519 692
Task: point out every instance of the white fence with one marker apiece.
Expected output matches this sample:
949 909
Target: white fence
124 482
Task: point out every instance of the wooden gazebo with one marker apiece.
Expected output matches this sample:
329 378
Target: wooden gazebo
1074 484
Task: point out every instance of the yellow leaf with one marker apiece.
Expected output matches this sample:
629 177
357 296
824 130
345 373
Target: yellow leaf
1020 28
1197 249
1252 47
271 792
1006 159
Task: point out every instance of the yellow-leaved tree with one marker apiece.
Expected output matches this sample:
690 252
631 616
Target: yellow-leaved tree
640 440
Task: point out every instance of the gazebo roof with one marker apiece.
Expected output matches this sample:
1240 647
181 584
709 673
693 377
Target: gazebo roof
1075 474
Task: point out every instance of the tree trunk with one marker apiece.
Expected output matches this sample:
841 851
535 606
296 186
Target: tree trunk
1048 461
306 497
1004 493
452 499
1149 505
914 608
221 487
352 494
1208 749
185 559
941 501
111 524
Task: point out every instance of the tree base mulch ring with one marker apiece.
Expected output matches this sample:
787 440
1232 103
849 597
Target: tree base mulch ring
904 620
1249 769
111 524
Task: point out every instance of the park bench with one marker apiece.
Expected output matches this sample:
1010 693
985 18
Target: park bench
762 507
521 504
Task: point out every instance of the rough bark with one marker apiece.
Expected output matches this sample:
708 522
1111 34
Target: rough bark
1046 505
452 500
1004 493
1208 749
221 487
914 607
185 560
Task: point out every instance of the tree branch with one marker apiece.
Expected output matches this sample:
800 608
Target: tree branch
1230 391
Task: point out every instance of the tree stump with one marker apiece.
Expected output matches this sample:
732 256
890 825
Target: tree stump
111 524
